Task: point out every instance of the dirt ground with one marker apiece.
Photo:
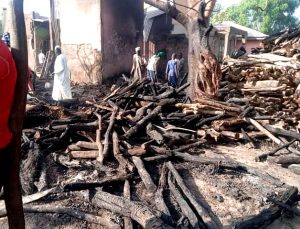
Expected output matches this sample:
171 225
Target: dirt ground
236 207
229 196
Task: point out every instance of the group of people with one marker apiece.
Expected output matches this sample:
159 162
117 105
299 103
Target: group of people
61 84
174 69
8 77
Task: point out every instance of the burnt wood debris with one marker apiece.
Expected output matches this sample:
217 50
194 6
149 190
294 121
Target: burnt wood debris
128 154
126 151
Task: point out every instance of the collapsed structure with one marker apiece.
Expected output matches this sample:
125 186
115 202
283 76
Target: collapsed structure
146 138
144 144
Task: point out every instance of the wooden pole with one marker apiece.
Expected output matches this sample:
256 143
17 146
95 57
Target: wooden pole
12 189
263 130
127 220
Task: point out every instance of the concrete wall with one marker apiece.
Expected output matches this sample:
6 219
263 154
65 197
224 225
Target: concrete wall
30 39
122 31
80 22
99 36
80 25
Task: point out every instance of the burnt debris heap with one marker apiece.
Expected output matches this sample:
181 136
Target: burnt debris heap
137 139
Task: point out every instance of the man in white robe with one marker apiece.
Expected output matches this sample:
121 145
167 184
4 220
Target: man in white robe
61 85
138 65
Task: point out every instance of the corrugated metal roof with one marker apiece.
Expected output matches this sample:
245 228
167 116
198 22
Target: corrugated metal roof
40 20
151 13
147 28
252 33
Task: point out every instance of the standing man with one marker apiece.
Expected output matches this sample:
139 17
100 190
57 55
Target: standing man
61 85
172 71
152 66
180 66
41 58
138 65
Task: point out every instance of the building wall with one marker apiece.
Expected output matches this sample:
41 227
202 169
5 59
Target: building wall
80 35
249 45
34 42
174 44
30 39
99 36
122 31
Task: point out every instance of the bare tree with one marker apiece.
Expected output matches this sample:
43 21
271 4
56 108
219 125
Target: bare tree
204 69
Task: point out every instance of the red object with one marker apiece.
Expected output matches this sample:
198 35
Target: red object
8 77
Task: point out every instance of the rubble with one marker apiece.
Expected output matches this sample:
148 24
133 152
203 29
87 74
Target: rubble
284 43
135 140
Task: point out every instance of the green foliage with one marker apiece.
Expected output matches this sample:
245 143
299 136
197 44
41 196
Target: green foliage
256 14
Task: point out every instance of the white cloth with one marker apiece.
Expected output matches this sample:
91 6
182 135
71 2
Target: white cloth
152 63
41 58
61 85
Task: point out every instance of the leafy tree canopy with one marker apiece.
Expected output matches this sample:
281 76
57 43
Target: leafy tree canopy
268 16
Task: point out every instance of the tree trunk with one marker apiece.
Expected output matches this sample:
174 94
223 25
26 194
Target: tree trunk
204 69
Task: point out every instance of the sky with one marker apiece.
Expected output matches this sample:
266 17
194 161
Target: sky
42 6
226 3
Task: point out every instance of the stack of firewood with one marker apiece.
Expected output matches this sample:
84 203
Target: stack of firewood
266 81
284 43
278 60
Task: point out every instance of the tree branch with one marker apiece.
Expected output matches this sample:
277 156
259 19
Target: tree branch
170 10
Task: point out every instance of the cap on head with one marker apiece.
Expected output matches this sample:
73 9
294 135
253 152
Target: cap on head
138 49
57 47
161 54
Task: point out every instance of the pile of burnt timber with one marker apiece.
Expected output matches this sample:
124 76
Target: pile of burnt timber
284 43
268 79
141 133
267 84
